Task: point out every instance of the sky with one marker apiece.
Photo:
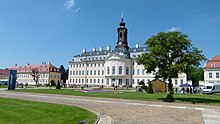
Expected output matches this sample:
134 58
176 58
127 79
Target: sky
36 31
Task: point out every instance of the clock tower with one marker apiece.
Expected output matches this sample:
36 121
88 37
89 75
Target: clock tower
122 35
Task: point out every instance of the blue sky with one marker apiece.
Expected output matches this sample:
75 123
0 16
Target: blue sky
36 31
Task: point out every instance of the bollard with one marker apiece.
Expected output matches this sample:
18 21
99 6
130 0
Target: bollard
82 122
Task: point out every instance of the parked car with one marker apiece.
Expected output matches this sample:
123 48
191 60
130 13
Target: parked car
211 88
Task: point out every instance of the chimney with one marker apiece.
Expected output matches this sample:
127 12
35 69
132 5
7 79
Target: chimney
28 63
84 50
16 64
137 45
109 48
101 49
93 49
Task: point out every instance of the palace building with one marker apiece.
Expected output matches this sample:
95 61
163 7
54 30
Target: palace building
46 73
110 67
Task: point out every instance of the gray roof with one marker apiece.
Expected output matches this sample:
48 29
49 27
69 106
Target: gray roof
105 52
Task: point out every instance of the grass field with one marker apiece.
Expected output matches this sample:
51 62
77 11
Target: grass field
184 98
27 112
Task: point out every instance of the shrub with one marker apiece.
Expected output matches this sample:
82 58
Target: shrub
58 85
150 88
52 82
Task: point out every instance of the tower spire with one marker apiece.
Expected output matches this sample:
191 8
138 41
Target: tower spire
122 17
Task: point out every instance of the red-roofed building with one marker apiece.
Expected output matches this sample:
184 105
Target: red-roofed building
212 70
47 73
4 76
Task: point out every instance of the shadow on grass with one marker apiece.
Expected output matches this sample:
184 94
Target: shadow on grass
195 100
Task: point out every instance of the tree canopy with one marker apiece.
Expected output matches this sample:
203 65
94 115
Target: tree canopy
195 74
170 53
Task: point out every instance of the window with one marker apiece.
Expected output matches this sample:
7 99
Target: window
90 80
98 72
127 71
133 72
94 81
138 81
73 72
102 80
94 72
143 72
133 81
176 82
91 72
210 75
82 72
113 69
79 81
127 82
120 81
71 81
138 72
70 72
98 80
213 64
217 75
108 70
82 80
120 69
181 81
79 72
87 72
102 72
76 72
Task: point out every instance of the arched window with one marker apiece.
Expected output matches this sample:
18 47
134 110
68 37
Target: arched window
127 71
120 70
113 69
181 81
108 70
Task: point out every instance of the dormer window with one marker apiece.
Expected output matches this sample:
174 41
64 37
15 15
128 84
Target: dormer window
213 64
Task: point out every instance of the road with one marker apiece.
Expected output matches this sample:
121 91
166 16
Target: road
118 111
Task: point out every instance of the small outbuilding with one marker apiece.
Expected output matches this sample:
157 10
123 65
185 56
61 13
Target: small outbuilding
158 85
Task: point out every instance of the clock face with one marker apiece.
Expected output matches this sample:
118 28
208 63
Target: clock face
120 43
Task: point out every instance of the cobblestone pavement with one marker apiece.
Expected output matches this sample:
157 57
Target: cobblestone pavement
117 111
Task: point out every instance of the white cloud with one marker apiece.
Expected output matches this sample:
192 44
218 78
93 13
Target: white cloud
69 4
173 29
78 9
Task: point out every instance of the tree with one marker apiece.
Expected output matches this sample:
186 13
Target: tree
170 53
143 85
52 83
58 85
36 74
63 73
195 74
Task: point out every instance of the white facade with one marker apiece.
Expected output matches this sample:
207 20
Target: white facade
112 67
47 73
212 71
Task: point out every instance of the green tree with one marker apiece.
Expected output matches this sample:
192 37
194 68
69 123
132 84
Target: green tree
63 73
170 53
195 74
52 83
58 85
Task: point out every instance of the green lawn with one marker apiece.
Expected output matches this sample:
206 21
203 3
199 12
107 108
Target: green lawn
184 98
15 111
3 86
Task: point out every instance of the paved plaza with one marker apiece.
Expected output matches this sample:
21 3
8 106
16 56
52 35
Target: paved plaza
118 111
